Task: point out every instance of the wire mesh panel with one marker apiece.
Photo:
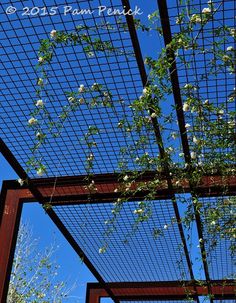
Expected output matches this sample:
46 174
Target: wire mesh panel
117 71
219 236
153 252
204 67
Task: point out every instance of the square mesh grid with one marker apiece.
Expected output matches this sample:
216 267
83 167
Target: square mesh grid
216 89
118 72
139 256
220 259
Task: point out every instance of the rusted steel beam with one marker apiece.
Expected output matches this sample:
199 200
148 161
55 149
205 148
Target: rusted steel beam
11 207
171 290
70 191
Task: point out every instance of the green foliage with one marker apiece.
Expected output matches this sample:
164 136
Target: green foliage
34 273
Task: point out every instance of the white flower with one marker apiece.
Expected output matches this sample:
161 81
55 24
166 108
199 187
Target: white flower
193 155
21 181
38 135
232 32
90 157
213 222
53 33
195 18
40 59
153 115
187 86
95 85
230 49
225 58
200 240
177 183
115 190
220 112
149 17
102 250
178 20
40 81
39 103
187 125
32 121
145 91
71 99
90 54
81 88
138 211
206 102
126 178
185 107
40 171
206 10
195 140
166 226
174 135
181 154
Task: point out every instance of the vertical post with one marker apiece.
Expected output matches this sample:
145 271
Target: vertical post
92 296
10 212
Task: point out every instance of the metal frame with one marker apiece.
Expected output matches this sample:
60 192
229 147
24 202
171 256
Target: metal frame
13 196
170 290
70 190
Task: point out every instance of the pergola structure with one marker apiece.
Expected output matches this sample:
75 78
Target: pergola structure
143 268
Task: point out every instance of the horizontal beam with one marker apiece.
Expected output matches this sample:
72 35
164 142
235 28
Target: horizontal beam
73 190
171 290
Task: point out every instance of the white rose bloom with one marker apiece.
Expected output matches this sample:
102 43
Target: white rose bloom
39 103
32 121
185 107
53 33
232 32
153 115
195 140
193 155
21 181
206 10
230 49
221 112
81 88
145 91
40 59
225 58
126 178
174 135
38 135
138 211
71 99
40 81
165 226
187 125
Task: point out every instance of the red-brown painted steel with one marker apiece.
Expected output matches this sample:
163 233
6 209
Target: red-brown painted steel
11 207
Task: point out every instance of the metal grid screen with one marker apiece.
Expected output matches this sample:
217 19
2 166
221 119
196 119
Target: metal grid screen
116 71
213 88
150 257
